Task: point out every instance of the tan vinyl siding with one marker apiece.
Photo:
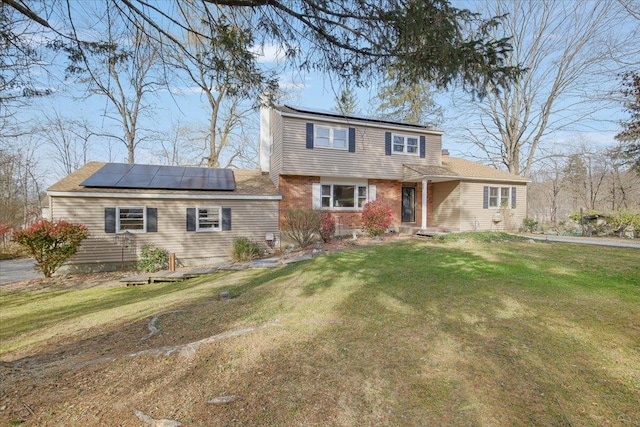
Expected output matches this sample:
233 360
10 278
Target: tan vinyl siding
249 218
369 160
275 169
446 205
433 152
474 217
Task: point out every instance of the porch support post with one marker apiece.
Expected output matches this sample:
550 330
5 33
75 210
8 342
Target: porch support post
424 205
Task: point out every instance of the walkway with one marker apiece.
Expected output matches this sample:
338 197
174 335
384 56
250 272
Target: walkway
178 276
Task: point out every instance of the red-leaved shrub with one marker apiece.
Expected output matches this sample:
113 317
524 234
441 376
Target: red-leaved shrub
51 243
327 226
377 216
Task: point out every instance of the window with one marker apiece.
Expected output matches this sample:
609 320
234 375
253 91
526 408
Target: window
499 197
343 196
131 219
208 219
330 137
406 144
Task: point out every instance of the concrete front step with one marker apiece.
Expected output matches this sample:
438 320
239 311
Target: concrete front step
429 231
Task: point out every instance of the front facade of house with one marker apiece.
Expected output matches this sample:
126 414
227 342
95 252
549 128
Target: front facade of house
324 160
308 159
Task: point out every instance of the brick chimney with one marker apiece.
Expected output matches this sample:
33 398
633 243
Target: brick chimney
445 154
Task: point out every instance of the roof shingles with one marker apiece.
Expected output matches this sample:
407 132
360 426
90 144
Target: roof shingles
465 169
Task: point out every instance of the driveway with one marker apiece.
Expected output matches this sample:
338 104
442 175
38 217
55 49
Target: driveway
600 241
14 270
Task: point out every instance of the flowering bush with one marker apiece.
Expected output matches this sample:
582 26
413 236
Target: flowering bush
51 243
327 226
377 216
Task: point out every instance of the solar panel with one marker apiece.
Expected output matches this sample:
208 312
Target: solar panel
119 175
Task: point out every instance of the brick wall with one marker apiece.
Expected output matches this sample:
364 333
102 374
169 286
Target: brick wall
297 192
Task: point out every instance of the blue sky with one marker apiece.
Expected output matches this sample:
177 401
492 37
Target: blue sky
311 90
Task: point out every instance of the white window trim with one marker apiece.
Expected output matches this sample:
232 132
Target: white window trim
405 145
355 195
332 129
206 230
499 197
119 230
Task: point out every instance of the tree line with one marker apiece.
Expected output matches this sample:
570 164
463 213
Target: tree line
525 70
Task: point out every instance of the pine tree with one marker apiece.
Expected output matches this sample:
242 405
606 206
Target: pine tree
630 135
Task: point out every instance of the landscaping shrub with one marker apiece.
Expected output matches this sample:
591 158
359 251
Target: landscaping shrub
530 225
153 259
302 226
51 243
327 226
377 217
621 221
245 249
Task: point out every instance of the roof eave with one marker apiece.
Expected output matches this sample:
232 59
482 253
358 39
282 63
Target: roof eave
370 123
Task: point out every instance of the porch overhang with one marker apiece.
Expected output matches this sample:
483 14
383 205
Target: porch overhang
412 173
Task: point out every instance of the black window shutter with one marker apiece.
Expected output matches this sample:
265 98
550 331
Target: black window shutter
423 147
387 143
109 220
226 219
485 198
191 219
309 135
352 140
152 220
513 197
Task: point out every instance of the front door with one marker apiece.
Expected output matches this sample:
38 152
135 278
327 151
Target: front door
408 204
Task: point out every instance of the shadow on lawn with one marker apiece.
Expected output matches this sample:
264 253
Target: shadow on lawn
457 339
427 335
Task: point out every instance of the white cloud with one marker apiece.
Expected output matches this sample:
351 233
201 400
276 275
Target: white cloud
269 53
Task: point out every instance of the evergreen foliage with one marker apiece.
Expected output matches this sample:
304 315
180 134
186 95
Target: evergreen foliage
630 134
153 259
245 249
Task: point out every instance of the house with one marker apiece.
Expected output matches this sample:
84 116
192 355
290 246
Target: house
336 162
308 159
195 213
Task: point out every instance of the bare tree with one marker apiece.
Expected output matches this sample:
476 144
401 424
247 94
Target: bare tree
20 189
564 46
21 68
223 68
122 69
68 140
180 146
545 192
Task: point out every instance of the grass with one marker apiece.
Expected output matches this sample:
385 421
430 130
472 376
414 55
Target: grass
488 331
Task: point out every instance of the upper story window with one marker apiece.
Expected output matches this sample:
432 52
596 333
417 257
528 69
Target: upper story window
500 197
406 144
131 219
331 137
208 219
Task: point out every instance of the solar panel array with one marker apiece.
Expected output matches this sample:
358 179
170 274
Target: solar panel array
121 175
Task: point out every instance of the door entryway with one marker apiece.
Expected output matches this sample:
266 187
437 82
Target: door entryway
408 204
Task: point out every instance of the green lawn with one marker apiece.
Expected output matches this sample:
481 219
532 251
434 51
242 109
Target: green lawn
417 333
